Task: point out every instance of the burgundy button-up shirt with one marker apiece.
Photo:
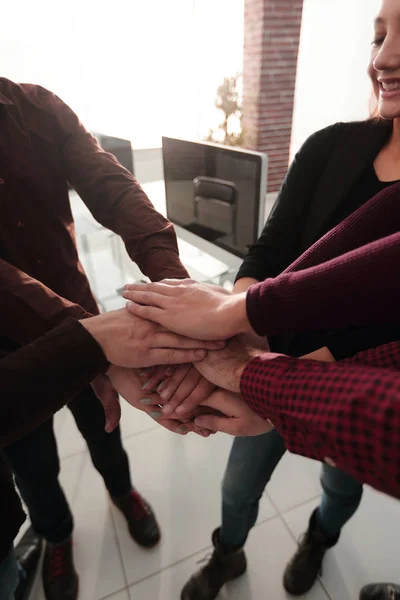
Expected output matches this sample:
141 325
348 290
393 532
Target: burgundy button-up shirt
43 146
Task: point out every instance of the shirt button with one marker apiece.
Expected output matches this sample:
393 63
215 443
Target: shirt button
329 461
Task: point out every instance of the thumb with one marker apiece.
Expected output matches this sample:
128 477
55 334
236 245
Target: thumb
107 395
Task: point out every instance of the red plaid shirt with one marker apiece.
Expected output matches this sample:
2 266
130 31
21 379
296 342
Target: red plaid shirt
347 413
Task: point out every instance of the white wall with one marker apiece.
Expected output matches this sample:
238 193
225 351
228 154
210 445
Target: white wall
135 68
331 82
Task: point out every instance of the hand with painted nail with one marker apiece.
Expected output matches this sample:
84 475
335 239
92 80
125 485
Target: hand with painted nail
129 341
181 388
127 383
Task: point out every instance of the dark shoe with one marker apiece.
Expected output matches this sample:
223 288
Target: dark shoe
60 580
380 591
27 553
221 568
305 566
141 520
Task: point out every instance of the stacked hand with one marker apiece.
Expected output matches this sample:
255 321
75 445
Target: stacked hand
196 385
130 342
190 308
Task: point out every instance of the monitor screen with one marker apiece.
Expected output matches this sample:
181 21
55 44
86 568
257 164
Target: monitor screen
121 149
215 192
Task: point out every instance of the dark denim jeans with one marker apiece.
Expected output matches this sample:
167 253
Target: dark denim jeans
35 463
9 576
251 463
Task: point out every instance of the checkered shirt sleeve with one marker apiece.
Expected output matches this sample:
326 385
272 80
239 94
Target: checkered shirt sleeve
346 413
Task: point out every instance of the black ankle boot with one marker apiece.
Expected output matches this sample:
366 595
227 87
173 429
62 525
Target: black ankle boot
380 591
305 566
222 567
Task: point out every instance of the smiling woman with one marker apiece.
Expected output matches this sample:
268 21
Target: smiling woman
384 71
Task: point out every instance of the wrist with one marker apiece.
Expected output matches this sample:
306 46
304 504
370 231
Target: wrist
239 314
94 327
240 368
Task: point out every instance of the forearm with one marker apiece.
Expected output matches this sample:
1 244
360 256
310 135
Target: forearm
28 309
358 288
38 379
364 405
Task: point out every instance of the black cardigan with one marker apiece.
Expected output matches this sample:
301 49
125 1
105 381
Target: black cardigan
318 181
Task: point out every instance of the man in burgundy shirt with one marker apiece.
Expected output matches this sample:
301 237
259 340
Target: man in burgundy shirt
43 146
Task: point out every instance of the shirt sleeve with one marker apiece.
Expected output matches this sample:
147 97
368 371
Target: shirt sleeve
112 194
275 248
28 309
347 413
38 379
358 288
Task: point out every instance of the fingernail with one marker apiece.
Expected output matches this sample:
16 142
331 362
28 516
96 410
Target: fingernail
167 410
156 414
160 387
182 429
143 372
144 386
180 410
147 401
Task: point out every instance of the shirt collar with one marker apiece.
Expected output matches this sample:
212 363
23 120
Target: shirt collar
5 100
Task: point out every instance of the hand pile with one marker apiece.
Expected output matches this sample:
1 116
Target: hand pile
192 342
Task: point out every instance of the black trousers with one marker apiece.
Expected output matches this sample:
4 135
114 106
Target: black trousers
35 463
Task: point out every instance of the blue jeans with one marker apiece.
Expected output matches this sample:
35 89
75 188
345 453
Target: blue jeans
9 576
251 463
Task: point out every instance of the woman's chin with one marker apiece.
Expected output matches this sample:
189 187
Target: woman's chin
389 112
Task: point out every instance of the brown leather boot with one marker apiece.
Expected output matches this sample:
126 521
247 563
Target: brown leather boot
306 565
221 568
60 580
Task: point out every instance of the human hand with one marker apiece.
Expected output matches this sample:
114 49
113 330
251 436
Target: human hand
181 388
107 395
235 418
224 367
190 308
130 341
128 385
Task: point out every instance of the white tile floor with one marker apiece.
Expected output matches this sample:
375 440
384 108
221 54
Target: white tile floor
181 478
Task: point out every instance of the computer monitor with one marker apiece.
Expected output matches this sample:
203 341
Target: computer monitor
215 194
121 149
